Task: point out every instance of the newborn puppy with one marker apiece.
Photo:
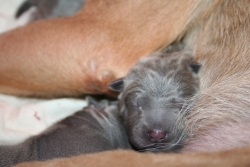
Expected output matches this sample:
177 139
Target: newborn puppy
153 95
95 128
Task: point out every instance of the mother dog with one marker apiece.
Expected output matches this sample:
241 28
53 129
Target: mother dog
82 53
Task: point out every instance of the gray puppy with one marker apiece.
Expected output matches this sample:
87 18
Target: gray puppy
153 95
96 128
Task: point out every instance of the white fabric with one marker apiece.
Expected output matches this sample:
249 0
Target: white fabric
8 9
21 118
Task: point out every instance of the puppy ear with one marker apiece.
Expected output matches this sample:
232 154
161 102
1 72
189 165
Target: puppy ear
195 66
116 85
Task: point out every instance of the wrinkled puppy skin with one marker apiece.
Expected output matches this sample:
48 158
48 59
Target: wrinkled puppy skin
153 97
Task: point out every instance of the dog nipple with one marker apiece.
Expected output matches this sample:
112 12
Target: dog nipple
107 76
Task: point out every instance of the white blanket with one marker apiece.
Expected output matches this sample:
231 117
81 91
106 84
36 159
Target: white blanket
21 118
8 9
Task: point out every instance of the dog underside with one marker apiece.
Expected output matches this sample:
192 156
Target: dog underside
217 30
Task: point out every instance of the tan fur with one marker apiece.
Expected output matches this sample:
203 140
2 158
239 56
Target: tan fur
82 53
222 46
232 158
114 34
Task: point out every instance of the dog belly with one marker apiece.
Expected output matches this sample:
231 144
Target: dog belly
222 137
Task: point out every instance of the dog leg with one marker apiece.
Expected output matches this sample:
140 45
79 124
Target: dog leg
83 53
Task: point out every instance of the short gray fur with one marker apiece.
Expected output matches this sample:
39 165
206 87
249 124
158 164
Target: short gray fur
153 95
96 128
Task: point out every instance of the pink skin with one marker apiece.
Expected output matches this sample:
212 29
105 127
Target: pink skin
222 137
21 118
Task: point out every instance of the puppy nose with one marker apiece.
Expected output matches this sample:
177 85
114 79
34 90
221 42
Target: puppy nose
157 136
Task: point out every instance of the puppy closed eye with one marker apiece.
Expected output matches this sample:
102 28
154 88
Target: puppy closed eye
131 103
142 102
138 103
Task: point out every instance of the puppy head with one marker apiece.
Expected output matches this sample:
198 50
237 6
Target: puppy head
153 95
